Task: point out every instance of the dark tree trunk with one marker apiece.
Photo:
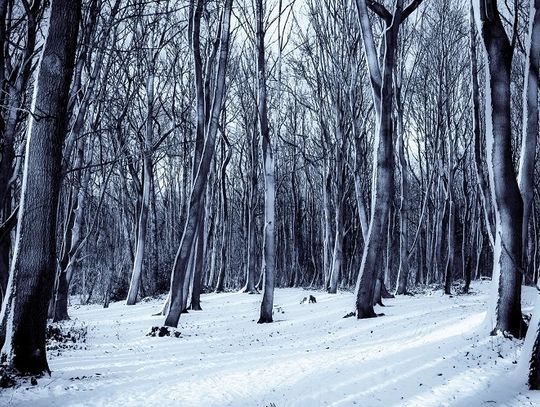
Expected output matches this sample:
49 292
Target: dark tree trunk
15 108
382 189
507 201
61 301
24 314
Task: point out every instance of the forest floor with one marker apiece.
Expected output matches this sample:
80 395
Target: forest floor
428 350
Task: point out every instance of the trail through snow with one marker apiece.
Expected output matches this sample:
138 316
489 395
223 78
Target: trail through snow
426 351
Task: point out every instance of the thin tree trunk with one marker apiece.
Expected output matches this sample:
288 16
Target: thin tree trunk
201 172
480 179
404 209
269 250
252 216
72 240
198 268
337 257
530 359
142 228
530 125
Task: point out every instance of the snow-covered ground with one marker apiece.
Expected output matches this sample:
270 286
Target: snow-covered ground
426 351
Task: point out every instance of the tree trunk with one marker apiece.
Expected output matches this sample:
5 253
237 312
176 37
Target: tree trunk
15 108
383 177
530 359
530 123
337 257
529 362
198 268
505 311
24 313
269 251
251 263
142 228
480 179
72 240
403 273
201 172
225 234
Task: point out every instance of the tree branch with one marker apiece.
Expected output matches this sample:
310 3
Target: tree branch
380 10
410 9
9 223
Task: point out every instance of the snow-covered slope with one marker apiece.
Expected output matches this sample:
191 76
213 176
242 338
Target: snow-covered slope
427 351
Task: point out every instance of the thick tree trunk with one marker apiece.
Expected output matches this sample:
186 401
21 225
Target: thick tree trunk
24 313
505 311
383 177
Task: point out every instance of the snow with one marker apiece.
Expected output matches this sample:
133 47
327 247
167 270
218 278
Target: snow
427 350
